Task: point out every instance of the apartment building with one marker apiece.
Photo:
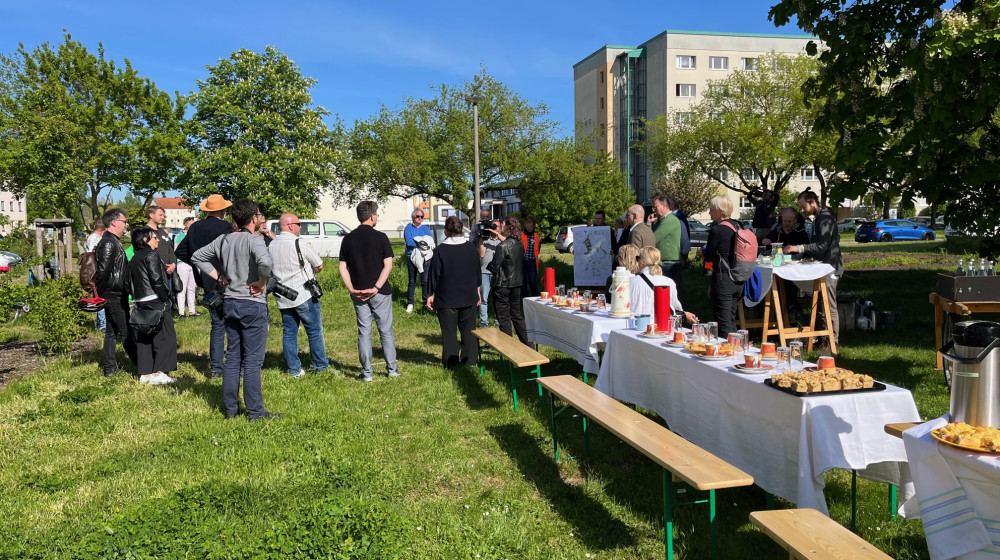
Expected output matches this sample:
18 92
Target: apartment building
174 211
15 209
617 86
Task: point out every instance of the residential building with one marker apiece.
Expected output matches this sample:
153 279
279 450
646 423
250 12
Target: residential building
15 209
618 86
174 211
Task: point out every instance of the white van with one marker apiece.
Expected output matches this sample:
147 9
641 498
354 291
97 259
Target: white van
324 236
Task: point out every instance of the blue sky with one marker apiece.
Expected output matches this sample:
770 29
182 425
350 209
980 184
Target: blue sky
364 54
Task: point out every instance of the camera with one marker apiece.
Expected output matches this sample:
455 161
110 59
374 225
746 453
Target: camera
483 226
315 290
213 300
284 291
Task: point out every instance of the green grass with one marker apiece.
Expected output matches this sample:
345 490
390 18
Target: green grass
431 465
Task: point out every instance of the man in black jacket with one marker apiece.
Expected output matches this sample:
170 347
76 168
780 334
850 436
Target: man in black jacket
200 234
109 279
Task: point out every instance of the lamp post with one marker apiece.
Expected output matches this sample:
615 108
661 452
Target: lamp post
475 99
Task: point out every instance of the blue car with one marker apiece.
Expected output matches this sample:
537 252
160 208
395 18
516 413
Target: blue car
891 230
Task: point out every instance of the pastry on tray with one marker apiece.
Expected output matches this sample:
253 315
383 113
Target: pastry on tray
985 438
822 380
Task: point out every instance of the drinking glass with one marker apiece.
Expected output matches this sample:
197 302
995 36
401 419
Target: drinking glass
713 330
700 332
795 356
783 359
586 296
739 349
746 339
601 302
678 321
561 290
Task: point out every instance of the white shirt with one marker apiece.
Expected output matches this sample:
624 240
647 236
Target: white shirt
642 294
92 240
286 267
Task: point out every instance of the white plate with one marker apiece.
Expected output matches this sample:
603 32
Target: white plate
769 358
740 368
714 358
654 335
673 344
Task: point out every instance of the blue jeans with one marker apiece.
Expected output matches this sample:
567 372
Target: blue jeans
217 341
378 306
529 278
246 328
308 315
100 321
484 306
411 286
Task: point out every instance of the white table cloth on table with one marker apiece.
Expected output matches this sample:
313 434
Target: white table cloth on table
573 333
958 496
803 274
786 442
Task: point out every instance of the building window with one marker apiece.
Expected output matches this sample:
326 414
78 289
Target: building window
718 89
749 175
808 174
1 206
686 61
720 175
682 118
718 63
745 203
603 130
19 210
602 76
602 103
748 63
685 90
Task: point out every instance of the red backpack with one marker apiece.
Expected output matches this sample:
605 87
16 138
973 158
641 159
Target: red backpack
744 254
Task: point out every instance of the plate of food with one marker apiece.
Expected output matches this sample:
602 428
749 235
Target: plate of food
656 335
725 349
713 358
822 382
984 439
587 310
673 344
741 368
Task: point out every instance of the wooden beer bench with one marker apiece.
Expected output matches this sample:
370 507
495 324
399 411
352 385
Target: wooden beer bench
680 459
514 354
809 535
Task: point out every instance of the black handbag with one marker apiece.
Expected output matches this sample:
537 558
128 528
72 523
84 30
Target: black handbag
146 321
176 284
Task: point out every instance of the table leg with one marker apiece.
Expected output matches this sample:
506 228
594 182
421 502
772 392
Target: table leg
829 319
668 513
779 303
854 501
766 327
817 286
555 438
938 331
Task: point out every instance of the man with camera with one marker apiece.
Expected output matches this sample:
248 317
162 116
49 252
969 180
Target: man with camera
239 261
297 294
200 234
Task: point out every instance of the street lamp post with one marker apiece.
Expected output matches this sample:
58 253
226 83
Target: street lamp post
475 99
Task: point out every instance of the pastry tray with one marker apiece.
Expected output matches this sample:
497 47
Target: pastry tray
960 446
874 388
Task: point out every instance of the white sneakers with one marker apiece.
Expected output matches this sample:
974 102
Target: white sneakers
409 308
298 374
158 378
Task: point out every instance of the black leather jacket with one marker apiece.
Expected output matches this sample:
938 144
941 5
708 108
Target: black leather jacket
506 264
147 276
111 264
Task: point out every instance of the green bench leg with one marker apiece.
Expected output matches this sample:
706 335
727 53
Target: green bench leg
668 513
479 350
513 384
893 501
854 500
555 438
713 530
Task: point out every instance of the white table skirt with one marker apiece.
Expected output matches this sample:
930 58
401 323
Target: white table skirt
575 334
802 274
785 442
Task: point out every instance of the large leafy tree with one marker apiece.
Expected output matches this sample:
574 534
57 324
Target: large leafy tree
256 134
914 94
568 181
426 145
76 127
750 133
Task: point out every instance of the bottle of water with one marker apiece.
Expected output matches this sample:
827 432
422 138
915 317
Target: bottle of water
991 271
971 271
982 267
961 268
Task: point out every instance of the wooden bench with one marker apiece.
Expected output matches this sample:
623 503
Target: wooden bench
679 458
513 353
809 535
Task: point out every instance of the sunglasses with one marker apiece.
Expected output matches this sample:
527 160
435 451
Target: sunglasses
293 223
418 216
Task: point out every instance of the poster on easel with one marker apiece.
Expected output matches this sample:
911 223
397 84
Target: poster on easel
591 255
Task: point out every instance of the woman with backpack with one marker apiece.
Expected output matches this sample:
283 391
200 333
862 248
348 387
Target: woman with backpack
724 293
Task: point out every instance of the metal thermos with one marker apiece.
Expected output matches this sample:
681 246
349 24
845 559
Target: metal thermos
974 353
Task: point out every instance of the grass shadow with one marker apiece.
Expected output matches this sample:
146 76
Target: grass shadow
476 396
592 523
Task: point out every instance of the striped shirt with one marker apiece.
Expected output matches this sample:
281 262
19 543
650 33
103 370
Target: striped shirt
286 267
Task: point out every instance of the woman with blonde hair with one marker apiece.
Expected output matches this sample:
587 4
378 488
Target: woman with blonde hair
724 293
650 274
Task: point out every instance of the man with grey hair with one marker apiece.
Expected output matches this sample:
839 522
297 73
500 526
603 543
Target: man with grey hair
109 279
415 228
365 263
636 231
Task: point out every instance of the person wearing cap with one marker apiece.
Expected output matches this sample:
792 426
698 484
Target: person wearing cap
200 234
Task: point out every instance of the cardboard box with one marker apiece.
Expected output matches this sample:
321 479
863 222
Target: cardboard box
969 288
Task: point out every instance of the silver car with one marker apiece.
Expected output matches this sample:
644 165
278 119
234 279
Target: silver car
849 225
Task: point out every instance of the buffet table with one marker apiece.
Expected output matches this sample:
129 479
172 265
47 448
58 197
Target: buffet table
571 332
957 496
808 276
784 441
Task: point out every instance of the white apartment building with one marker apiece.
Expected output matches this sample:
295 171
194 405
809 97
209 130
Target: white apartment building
174 211
618 85
15 209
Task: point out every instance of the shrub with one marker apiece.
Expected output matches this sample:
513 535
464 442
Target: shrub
54 309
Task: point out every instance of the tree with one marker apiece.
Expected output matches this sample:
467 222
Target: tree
75 127
692 190
568 181
256 134
426 146
752 131
913 91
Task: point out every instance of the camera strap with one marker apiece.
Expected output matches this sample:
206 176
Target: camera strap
302 263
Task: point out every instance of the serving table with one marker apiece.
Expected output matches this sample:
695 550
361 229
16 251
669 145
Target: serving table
957 495
571 332
808 276
784 441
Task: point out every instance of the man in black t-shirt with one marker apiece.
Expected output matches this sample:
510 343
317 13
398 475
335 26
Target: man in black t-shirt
365 262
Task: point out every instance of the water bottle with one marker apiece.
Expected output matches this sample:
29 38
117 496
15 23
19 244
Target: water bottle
961 268
972 268
982 267
991 271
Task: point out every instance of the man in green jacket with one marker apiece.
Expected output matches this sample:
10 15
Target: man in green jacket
667 232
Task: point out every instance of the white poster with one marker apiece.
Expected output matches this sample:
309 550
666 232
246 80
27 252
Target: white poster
591 255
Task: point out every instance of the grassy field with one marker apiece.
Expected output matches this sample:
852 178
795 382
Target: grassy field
433 464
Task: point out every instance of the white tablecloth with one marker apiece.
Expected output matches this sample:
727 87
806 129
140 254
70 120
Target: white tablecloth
785 442
803 274
958 496
575 334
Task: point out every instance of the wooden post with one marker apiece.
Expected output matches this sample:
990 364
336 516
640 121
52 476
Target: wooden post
69 249
39 269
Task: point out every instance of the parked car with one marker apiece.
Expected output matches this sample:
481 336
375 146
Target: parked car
564 239
9 260
324 236
849 225
889 230
939 222
921 221
699 233
437 229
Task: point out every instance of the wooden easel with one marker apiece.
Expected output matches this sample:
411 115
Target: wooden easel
775 300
